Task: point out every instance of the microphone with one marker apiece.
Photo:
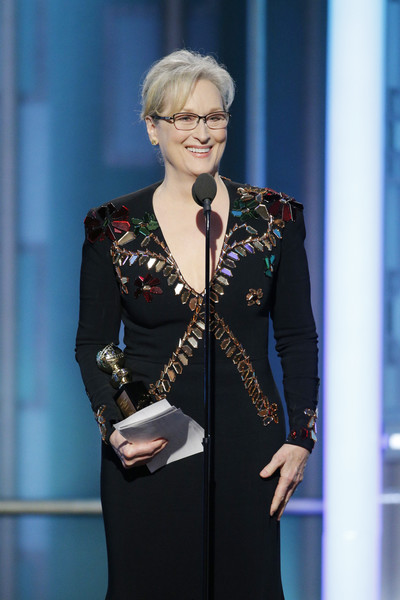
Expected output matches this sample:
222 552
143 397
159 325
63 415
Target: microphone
204 190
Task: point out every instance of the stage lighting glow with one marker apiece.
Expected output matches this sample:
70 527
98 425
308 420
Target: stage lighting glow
394 441
353 300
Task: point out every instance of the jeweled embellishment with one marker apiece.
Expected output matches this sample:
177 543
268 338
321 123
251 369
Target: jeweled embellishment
122 280
147 286
235 351
106 221
269 264
180 357
146 225
101 421
254 296
310 430
284 208
264 203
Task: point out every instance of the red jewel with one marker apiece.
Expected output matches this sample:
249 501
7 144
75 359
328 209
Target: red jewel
275 208
287 212
304 433
101 222
147 286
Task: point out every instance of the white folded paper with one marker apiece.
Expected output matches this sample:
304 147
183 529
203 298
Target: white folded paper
161 420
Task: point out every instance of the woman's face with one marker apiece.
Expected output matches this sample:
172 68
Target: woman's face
199 150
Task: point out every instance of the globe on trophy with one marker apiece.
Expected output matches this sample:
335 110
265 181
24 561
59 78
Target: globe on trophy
131 395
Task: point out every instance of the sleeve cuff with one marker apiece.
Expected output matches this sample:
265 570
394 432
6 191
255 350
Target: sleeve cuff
306 434
106 417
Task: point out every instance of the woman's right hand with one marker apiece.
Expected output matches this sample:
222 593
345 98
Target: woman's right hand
135 454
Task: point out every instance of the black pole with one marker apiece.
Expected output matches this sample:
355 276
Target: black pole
207 441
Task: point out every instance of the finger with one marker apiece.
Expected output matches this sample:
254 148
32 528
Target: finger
277 501
284 504
279 496
282 509
280 500
142 449
140 455
284 490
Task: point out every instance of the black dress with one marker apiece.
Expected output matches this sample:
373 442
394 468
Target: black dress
153 522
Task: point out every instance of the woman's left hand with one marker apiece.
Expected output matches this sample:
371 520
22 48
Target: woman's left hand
291 460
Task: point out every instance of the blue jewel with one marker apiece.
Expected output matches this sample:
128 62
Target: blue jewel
269 262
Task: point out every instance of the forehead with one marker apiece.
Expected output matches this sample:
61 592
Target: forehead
204 95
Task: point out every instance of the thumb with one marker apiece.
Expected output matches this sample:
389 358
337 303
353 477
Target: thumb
271 467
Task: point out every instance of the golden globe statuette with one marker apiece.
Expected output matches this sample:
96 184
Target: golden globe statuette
131 395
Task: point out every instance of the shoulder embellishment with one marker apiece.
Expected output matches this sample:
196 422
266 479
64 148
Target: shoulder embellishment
264 203
146 225
106 221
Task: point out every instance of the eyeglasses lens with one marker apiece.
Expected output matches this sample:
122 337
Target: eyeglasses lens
188 121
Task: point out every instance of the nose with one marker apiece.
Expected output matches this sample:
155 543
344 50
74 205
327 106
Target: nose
201 130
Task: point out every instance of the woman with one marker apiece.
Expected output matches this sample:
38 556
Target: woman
143 262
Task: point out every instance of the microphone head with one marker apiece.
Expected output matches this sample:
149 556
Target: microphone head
204 188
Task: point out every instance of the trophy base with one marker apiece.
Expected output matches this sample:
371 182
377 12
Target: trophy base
131 397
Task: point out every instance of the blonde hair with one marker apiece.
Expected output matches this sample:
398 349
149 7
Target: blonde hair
173 77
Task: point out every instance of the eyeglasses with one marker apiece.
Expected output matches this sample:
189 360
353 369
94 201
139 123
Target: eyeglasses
188 121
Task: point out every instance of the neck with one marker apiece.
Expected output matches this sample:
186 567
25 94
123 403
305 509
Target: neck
179 187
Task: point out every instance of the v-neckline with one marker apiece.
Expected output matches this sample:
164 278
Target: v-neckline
218 262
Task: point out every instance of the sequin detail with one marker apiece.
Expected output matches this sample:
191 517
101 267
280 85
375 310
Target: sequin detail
309 431
146 225
147 286
254 296
255 203
163 264
180 357
106 221
233 349
269 265
241 241
101 421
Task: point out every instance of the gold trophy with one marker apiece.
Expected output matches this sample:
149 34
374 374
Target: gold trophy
131 395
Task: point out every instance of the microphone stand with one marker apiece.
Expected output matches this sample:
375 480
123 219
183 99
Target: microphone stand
207 441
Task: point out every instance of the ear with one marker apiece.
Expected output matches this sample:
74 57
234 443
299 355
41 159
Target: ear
151 130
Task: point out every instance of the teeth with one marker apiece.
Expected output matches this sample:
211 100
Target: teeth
199 150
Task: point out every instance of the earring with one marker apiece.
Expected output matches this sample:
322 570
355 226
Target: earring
154 142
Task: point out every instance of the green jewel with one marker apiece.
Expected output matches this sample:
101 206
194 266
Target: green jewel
245 210
146 225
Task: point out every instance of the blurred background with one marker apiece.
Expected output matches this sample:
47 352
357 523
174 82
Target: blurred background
71 139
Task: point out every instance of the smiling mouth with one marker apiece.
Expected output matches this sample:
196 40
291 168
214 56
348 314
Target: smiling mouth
200 151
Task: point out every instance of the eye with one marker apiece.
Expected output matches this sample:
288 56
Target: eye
185 118
216 117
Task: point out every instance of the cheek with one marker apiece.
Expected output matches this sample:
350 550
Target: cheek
222 141
222 137
171 142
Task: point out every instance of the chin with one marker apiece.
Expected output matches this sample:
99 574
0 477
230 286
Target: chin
203 167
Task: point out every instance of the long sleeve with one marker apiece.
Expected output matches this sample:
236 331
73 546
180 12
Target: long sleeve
295 334
99 325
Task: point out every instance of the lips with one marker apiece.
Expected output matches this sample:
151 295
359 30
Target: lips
199 150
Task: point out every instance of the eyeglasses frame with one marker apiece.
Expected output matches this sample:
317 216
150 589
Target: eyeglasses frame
199 117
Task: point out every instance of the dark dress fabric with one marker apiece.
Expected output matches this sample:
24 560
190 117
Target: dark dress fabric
153 522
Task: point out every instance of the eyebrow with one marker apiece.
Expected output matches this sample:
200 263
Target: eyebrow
189 110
